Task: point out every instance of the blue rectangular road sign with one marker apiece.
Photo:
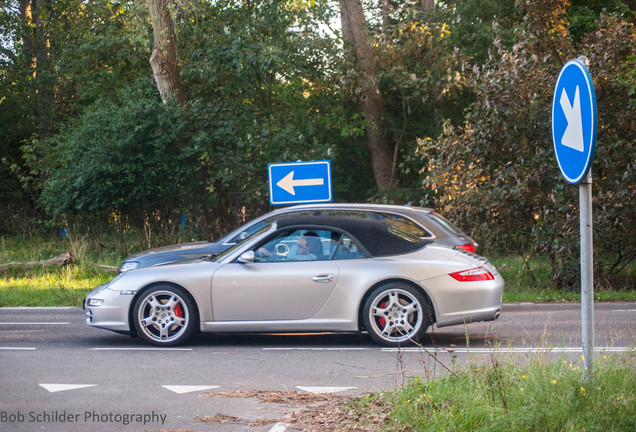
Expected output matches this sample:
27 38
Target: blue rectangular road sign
299 182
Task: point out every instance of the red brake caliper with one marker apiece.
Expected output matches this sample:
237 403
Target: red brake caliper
381 320
178 311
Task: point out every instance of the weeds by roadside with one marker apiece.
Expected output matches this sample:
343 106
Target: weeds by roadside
542 395
503 394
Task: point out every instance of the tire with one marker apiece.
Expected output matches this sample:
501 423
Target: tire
396 314
165 316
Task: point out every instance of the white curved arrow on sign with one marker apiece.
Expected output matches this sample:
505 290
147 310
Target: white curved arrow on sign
573 135
288 183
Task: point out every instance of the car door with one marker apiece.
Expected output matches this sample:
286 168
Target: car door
277 286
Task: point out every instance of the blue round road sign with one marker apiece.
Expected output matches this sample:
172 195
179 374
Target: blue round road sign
574 121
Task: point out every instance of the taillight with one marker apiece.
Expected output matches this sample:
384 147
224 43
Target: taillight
467 247
473 275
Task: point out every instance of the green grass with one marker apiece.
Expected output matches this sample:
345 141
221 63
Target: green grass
44 287
531 282
67 286
52 286
503 396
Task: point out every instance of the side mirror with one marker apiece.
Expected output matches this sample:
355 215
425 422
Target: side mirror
247 257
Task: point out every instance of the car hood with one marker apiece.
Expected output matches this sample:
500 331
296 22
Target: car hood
175 253
180 272
178 248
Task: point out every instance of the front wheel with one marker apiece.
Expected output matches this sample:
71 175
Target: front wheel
396 314
164 316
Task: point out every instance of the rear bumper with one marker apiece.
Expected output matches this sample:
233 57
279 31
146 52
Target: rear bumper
466 302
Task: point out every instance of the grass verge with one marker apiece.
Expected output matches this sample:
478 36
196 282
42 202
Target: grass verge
66 286
531 282
503 396
52 286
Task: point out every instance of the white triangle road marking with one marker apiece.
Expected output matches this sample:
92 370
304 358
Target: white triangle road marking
317 390
53 388
181 389
279 427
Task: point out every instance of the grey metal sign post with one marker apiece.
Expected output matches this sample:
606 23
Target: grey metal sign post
587 276
574 118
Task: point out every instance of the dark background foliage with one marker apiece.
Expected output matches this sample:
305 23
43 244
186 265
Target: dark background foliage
467 89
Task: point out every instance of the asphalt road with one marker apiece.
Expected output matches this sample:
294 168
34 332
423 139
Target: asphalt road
58 374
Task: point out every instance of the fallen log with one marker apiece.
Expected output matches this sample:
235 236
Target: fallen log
59 261
109 268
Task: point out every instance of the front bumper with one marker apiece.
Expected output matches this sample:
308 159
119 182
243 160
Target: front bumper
112 314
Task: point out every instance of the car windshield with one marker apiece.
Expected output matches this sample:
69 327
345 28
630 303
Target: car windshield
241 241
251 229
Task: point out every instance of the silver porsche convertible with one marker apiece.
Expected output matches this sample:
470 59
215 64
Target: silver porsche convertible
304 274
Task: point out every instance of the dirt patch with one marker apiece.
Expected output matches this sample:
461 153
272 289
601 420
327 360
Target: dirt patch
312 412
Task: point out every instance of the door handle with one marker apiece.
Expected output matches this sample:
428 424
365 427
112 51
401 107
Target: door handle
326 278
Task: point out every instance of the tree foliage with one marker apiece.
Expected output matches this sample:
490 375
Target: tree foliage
498 173
466 88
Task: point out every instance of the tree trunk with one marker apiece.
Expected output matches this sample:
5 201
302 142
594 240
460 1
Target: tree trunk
35 15
428 5
386 18
354 31
164 53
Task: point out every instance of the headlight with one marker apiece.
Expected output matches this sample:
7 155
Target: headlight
94 302
128 265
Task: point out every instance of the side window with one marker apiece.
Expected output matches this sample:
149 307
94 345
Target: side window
348 249
403 224
298 245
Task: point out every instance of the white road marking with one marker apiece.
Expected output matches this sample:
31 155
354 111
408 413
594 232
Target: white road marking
315 349
318 390
34 323
18 348
505 350
181 389
279 427
140 349
53 388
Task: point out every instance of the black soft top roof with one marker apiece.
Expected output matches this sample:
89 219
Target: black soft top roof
379 238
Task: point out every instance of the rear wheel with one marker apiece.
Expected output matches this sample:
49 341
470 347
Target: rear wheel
396 314
164 316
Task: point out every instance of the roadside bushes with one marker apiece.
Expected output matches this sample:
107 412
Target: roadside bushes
498 174
129 156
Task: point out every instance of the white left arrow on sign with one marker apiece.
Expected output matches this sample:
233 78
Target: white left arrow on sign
288 183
